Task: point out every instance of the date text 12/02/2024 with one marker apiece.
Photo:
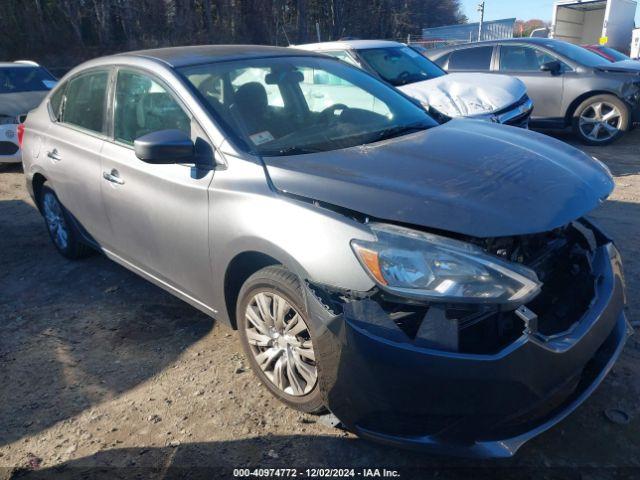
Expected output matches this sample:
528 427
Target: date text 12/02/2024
316 473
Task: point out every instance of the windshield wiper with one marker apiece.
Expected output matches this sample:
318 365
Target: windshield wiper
288 151
400 130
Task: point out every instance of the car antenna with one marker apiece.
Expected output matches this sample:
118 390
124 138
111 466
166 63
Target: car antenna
286 36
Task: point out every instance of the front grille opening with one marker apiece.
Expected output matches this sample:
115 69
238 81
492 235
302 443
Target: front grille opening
408 318
487 333
8 148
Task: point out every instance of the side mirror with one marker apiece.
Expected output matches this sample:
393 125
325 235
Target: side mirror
164 147
553 67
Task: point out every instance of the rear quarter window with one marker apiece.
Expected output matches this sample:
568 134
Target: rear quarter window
478 58
442 61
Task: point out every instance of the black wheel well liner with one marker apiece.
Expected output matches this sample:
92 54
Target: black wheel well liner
239 269
36 184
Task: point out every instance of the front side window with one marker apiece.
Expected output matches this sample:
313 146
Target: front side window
294 105
518 58
400 65
478 58
143 106
84 101
25 79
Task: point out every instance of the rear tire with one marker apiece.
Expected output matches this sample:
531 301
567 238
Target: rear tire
276 336
62 230
601 120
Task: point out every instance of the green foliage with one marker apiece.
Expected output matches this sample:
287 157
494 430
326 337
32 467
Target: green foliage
64 32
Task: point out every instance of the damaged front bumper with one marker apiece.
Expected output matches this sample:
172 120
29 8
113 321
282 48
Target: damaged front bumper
428 396
516 115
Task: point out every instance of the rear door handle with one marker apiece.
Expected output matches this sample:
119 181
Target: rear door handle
54 155
113 177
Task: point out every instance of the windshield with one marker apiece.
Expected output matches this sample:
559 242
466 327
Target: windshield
295 105
400 65
616 55
577 54
25 79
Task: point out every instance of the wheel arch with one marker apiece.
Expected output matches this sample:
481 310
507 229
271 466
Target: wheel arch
241 267
581 98
37 182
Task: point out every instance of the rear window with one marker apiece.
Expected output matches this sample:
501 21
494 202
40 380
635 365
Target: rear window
478 58
25 79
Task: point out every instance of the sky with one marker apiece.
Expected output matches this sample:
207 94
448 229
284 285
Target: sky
521 9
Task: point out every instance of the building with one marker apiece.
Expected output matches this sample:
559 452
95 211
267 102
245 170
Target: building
468 32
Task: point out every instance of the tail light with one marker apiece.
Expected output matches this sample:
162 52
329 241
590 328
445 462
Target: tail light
20 130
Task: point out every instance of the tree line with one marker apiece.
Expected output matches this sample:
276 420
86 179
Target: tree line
65 32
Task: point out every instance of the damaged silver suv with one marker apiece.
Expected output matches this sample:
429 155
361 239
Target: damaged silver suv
433 286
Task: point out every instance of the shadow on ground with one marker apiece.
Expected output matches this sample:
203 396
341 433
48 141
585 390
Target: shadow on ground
236 459
74 334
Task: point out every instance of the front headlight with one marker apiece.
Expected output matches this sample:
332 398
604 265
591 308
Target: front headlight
430 267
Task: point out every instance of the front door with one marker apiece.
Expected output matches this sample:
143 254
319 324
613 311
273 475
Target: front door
544 88
158 213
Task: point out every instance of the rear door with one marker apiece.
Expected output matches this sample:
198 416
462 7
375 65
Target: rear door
158 213
544 88
72 148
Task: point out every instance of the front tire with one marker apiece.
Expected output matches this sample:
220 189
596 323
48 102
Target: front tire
276 337
62 230
601 120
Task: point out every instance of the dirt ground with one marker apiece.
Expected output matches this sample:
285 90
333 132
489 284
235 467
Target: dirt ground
99 368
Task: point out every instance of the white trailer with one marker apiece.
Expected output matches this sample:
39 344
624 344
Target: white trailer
606 22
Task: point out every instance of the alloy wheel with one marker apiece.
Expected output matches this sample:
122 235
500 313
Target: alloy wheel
55 220
600 121
281 344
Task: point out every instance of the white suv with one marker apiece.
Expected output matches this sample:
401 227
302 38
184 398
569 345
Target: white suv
23 85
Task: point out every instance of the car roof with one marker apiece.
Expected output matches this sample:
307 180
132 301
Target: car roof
199 54
348 44
545 42
18 65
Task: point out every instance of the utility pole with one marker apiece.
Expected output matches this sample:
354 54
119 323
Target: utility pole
481 10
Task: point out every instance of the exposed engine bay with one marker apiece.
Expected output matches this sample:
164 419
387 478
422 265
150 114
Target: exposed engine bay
562 259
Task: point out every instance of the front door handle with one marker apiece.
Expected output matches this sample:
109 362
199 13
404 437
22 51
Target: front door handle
54 155
113 177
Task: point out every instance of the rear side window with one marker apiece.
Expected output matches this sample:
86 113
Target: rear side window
518 58
442 61
84 101
143 106
56 102
478 58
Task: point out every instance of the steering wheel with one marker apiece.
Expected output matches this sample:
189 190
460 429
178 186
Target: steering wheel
328 114
404 77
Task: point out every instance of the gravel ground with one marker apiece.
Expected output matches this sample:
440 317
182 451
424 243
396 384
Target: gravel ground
99 368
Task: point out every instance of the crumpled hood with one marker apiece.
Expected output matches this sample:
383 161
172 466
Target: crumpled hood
630 66
15 104
472 178
467 94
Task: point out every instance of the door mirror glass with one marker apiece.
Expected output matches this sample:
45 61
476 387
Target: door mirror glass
164 147
552 67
